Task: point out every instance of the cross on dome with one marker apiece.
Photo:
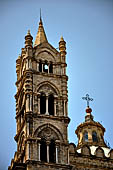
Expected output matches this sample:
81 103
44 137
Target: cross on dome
87 98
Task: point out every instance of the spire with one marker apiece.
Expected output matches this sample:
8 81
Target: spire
41 36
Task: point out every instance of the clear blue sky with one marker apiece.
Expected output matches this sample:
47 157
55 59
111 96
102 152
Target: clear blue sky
87 27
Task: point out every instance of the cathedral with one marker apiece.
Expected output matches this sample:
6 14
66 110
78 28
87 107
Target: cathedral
42 114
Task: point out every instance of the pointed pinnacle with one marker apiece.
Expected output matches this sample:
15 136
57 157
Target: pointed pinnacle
41 36
61 39
28 33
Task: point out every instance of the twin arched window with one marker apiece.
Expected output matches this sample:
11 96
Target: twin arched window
94 136
43 151
47 104
45 67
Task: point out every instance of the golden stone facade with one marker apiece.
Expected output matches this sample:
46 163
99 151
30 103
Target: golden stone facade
42 114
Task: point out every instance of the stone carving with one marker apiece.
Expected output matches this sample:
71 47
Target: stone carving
47 89
48 134
48 131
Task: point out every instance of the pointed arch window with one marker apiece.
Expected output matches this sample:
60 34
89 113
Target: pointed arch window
94 136
42 103
51 104
86 136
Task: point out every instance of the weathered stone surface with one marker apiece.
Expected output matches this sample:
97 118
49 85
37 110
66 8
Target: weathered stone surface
42 114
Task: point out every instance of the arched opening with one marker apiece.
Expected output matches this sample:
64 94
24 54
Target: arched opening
40 66
45 67
94 137
52 153
50 68
42 104
86 136
43 151
51 104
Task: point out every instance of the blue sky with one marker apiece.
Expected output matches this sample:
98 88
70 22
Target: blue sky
87 27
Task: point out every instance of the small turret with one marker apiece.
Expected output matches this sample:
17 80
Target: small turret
62 48
28 40
18 62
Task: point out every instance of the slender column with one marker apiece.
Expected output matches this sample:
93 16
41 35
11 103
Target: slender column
30 102
57 142
54 69
27 64
64 108
42 67
47 150
54 106
35 103
56 153
67 108
67 156
47 113
39 151
48 67
28 151
27 103
37 66
27 129
38 103
30 63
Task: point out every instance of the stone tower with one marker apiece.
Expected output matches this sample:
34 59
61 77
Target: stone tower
42 114
41 105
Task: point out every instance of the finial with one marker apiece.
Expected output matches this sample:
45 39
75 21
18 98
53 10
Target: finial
19 56
28 33
61 39
40 15
87 98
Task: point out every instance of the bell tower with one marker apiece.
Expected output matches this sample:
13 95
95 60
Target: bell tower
41 105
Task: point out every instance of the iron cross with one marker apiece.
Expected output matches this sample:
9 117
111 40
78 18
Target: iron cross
87 98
